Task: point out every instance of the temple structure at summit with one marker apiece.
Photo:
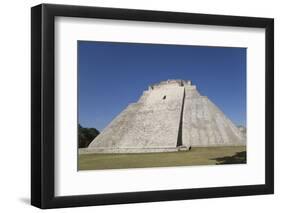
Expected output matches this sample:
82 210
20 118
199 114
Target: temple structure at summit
170 116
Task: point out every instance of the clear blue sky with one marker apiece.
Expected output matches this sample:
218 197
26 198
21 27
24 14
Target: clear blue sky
113 75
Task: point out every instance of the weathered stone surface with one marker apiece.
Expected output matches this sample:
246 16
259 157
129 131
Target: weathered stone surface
170 116
205 125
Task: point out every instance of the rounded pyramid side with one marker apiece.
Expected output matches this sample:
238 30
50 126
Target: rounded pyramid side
204 124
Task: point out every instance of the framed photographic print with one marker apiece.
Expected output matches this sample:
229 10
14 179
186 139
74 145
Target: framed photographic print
139 106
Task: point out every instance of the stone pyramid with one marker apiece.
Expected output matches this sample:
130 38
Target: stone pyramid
169 116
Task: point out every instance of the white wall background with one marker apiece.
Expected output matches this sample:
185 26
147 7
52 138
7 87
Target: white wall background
15 105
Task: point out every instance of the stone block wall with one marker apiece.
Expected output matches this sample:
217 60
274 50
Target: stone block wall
151 124
168 116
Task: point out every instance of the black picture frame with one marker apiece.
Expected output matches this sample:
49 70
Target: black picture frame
43 102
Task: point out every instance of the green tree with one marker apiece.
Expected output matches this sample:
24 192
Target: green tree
86 136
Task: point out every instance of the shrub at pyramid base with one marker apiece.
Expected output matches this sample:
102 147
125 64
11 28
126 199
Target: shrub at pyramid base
169 116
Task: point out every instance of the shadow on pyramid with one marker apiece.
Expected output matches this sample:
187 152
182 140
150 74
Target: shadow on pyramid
170 116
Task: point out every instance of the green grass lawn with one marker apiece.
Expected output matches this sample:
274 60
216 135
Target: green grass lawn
196 156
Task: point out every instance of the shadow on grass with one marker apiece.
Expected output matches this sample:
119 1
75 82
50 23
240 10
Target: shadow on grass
238 158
